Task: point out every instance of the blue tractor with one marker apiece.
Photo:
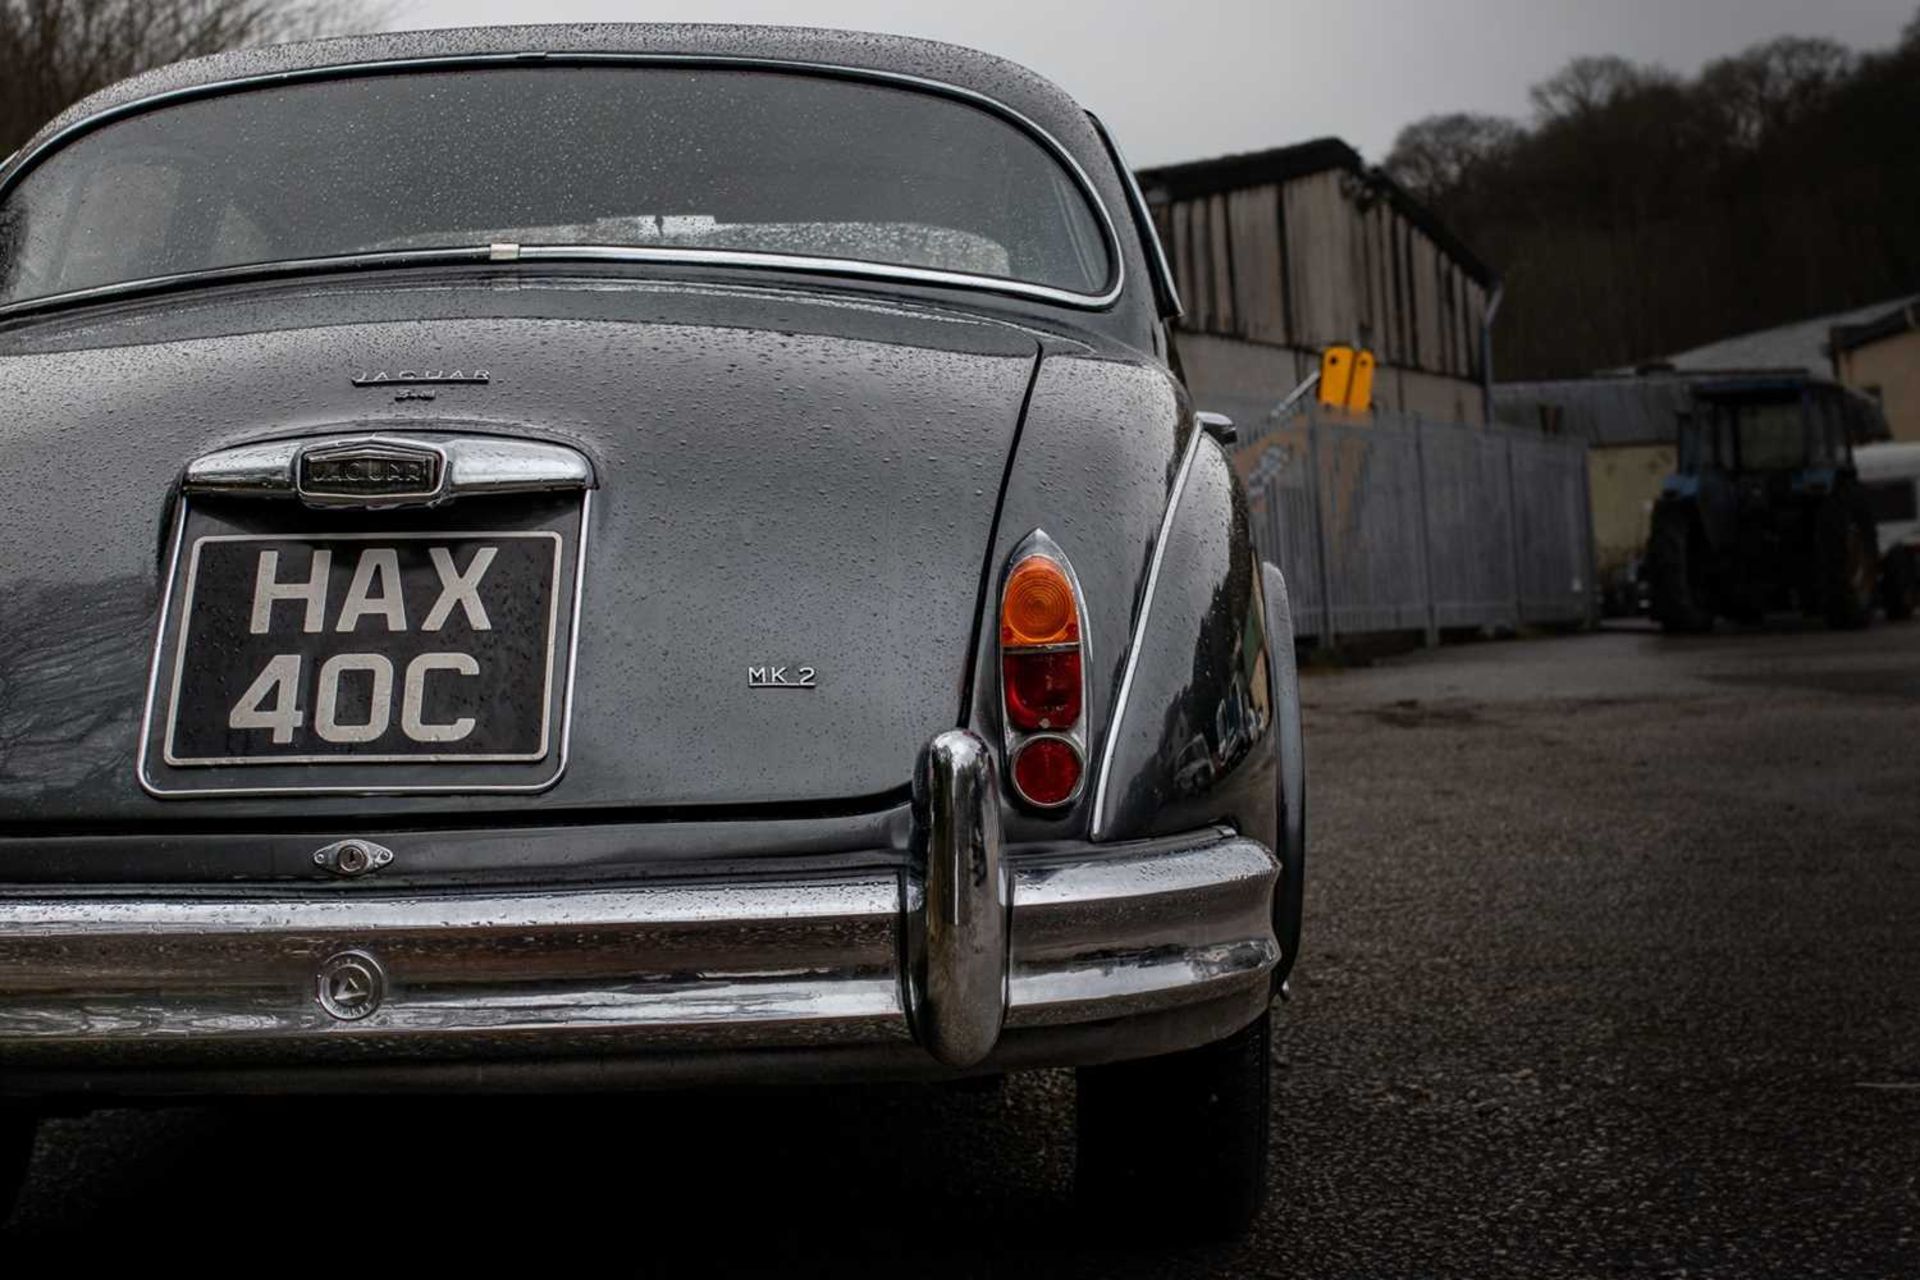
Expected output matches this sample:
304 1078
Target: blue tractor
1766 511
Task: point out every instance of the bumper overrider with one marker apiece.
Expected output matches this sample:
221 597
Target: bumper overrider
973 958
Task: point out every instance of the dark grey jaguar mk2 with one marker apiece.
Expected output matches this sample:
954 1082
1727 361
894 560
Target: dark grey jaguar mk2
606 556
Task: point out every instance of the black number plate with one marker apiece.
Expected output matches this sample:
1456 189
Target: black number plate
370 648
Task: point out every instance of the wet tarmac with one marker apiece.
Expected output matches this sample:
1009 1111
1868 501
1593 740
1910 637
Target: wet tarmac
1612 967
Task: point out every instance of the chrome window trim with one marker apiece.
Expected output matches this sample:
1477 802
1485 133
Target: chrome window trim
808 263
1144 224
244 272
1118 717
26 161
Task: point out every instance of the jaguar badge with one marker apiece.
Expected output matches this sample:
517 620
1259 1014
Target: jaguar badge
371 471
422 378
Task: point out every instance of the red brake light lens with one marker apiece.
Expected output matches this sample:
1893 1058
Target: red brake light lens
1043 688
1046 770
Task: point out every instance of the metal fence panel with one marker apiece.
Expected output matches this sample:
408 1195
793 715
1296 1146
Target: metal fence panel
1402 523
1469 525
1370 484
1557 568
1277 464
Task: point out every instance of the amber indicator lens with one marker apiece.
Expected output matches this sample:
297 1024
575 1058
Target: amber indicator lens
1038 606
1046 770
1043 688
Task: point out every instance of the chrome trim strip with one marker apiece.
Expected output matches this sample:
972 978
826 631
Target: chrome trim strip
782 961
159 645
473 464
1118 715
811 264
249 271
527 788
216 924
573 634
1290 841
23 163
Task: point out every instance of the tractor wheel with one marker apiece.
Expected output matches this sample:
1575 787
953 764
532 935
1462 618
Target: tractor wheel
1900 585
1847 564
1676 571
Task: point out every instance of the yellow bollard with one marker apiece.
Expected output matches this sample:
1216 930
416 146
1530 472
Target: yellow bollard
1336 376
1360 387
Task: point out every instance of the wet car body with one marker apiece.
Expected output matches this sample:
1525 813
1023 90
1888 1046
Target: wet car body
745 808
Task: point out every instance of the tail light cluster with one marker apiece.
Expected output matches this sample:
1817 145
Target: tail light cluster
1043 674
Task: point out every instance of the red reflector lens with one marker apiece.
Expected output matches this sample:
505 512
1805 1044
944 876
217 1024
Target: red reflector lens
1046 770
1043 689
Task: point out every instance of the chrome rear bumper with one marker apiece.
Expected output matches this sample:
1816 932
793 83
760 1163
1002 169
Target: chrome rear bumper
966 961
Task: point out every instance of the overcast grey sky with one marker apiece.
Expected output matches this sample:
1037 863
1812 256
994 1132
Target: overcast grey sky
1181 79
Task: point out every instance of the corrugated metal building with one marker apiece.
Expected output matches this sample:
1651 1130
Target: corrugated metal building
1282 253
1805 345
1629 422
1880 355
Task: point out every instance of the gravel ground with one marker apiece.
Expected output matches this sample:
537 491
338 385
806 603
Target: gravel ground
1610 969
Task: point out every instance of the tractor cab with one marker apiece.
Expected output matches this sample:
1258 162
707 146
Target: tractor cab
1765 509
1789 434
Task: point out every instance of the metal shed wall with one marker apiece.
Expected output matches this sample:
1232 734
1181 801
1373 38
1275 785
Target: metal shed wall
1321 258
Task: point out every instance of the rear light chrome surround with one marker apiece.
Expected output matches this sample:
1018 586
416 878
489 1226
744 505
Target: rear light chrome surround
1017 737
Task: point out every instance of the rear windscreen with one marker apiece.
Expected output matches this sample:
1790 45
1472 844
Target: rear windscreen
694 159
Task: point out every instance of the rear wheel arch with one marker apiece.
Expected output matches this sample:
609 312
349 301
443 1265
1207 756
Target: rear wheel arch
1190 741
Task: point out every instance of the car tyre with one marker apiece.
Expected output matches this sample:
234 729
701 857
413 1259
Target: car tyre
18 1126
1846 546
1676 567
1900 586
1176 1146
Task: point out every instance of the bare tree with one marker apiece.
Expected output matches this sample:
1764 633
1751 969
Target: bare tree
54 52
1774 85
1435 156
1639 213
1588 86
